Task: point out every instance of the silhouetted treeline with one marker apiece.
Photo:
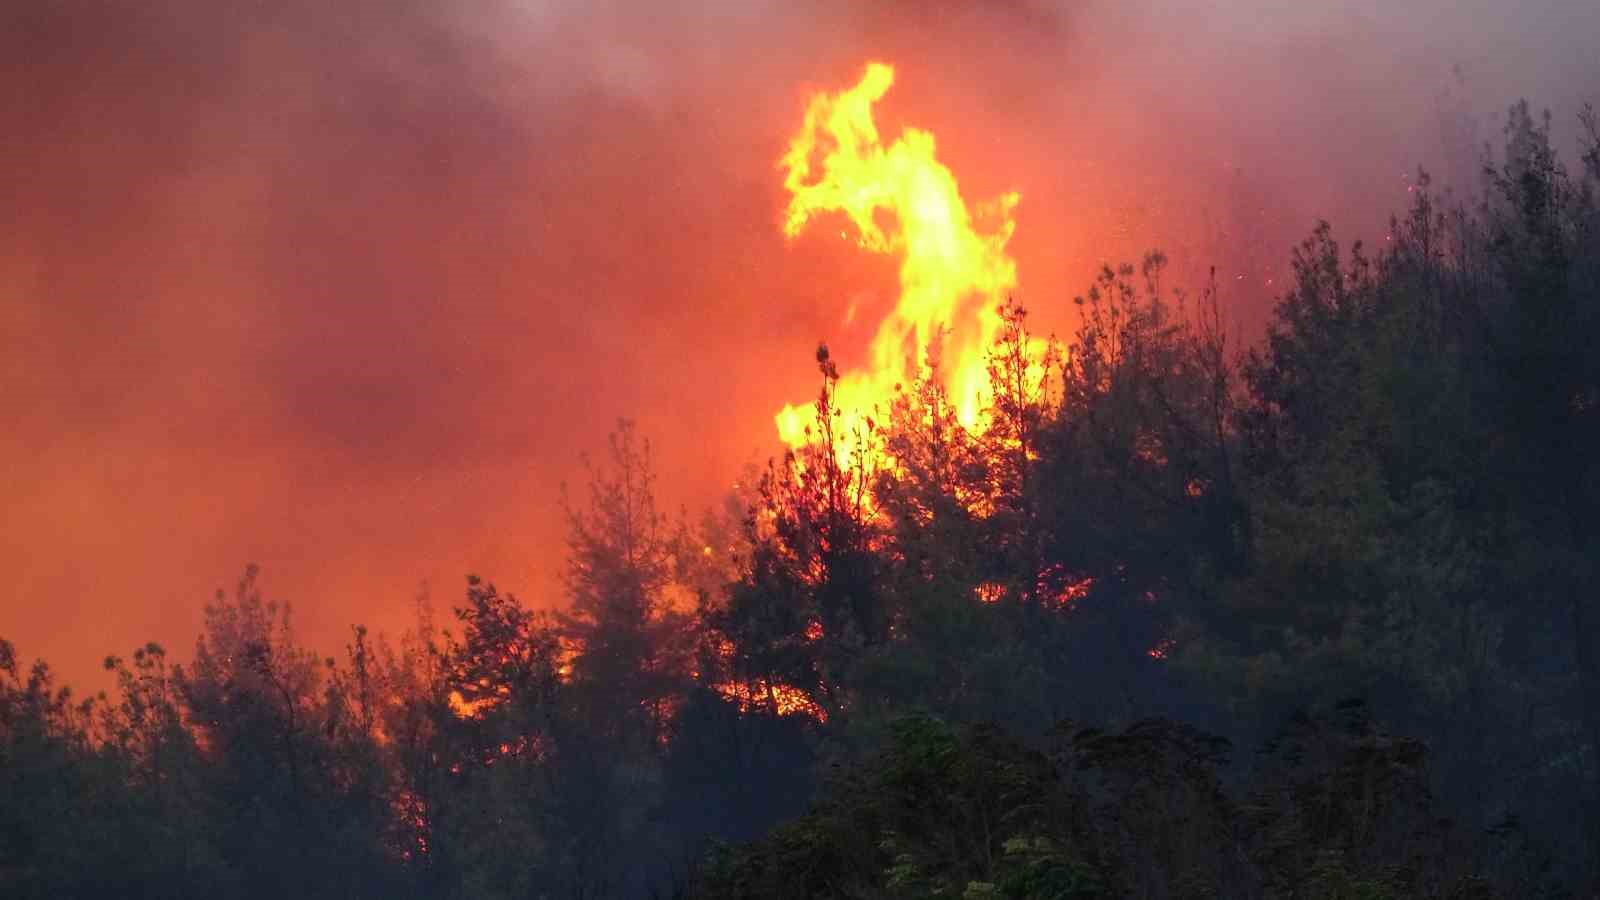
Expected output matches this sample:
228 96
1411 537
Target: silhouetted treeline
1317 618
1336 809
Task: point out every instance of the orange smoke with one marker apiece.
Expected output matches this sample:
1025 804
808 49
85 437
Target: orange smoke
902 200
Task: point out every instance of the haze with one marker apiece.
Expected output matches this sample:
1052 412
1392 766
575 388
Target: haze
347 290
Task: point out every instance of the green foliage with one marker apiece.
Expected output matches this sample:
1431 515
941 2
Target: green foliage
1034 867
1339 810
936 812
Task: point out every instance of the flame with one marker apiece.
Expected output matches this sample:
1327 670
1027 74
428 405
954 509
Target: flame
902 201
1074 591
412 811
770 695
775 696
989 591
471 709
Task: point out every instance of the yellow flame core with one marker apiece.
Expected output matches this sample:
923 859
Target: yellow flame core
952 277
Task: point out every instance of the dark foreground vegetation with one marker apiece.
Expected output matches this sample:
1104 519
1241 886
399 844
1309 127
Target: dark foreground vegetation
1316 620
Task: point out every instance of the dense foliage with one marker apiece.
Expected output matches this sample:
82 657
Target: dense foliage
1151 631
1335 809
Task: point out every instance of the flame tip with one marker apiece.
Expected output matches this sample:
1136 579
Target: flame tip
901 199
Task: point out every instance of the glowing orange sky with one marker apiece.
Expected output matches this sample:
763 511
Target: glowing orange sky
346 289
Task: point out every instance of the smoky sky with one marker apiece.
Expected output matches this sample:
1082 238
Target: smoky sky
347 289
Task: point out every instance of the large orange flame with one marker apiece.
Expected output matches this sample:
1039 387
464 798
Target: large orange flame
952 277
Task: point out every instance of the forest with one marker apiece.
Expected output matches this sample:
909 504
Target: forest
1189 616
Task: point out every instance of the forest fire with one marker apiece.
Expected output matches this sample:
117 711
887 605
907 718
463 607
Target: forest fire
1279 574
775 697
766 694
902 200
470 709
